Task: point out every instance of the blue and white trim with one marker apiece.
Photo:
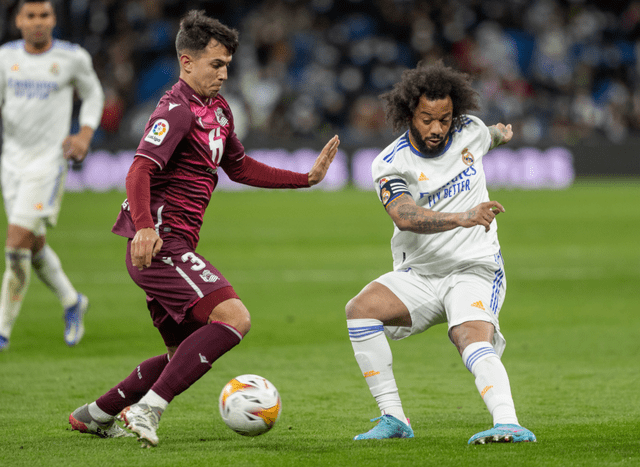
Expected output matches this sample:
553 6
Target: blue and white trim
402 143
496 287
484 351
365 331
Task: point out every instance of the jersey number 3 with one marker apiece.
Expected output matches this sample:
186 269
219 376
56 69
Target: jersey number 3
216 144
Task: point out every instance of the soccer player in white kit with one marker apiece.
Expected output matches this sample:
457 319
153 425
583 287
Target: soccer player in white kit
38 77
447 263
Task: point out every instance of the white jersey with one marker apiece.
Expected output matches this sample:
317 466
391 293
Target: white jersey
451 182
36 95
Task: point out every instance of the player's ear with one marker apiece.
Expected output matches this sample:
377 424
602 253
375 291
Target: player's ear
19 20
186 62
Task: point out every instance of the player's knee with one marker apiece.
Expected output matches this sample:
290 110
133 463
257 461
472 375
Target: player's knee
359 307
470 332
350 308
241 322
19 237
234 313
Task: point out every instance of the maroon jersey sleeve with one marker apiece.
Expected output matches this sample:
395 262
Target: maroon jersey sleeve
166 127
138 192
243 169
249 171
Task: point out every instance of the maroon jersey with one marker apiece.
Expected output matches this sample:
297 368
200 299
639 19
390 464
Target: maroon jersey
189 138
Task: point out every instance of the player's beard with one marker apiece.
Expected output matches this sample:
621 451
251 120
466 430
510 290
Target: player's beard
422 146
39 39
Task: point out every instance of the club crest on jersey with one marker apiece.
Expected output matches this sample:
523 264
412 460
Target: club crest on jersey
15 67
55 69
467 157
222 120
158 131
208 276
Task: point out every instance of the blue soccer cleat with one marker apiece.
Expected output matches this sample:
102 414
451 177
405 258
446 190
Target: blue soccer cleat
74 321
4 343
503 433
388 427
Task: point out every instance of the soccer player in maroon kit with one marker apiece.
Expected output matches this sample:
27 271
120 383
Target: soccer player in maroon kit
188 138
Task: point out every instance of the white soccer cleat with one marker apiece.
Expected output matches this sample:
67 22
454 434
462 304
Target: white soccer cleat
143 420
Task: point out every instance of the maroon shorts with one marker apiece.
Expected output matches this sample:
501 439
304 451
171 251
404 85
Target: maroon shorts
176 280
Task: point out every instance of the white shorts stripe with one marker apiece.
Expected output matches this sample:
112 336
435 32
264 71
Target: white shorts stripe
190 282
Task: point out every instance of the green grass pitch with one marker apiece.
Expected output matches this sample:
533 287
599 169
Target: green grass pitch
571 319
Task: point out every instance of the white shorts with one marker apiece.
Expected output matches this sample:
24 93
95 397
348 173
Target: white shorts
33 201
474 293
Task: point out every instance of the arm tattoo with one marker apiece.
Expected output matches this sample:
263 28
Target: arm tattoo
424 221
497 137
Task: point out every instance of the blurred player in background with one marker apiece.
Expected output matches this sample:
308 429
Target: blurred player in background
38 77
446 257
189 137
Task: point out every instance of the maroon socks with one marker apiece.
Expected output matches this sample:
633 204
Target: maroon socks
194 358
133 387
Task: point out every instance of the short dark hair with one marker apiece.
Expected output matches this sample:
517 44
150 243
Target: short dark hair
435 81
197 29
21 3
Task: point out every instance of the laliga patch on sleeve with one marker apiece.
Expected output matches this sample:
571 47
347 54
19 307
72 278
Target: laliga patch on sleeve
392 189
158 131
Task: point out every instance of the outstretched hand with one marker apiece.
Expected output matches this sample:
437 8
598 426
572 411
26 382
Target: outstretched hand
324 160
500 134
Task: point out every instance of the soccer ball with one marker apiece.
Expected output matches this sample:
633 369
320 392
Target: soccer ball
250 405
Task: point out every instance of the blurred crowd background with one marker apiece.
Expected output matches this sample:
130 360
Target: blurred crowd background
561 71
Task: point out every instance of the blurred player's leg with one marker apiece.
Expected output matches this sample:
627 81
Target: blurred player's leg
15 283
48 268
374 357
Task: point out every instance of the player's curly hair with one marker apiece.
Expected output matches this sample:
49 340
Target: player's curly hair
435 81
197 29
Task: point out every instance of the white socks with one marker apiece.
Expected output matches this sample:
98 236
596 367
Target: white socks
373 355
98 414
491 380
15 282
154 400
49 269
150 398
